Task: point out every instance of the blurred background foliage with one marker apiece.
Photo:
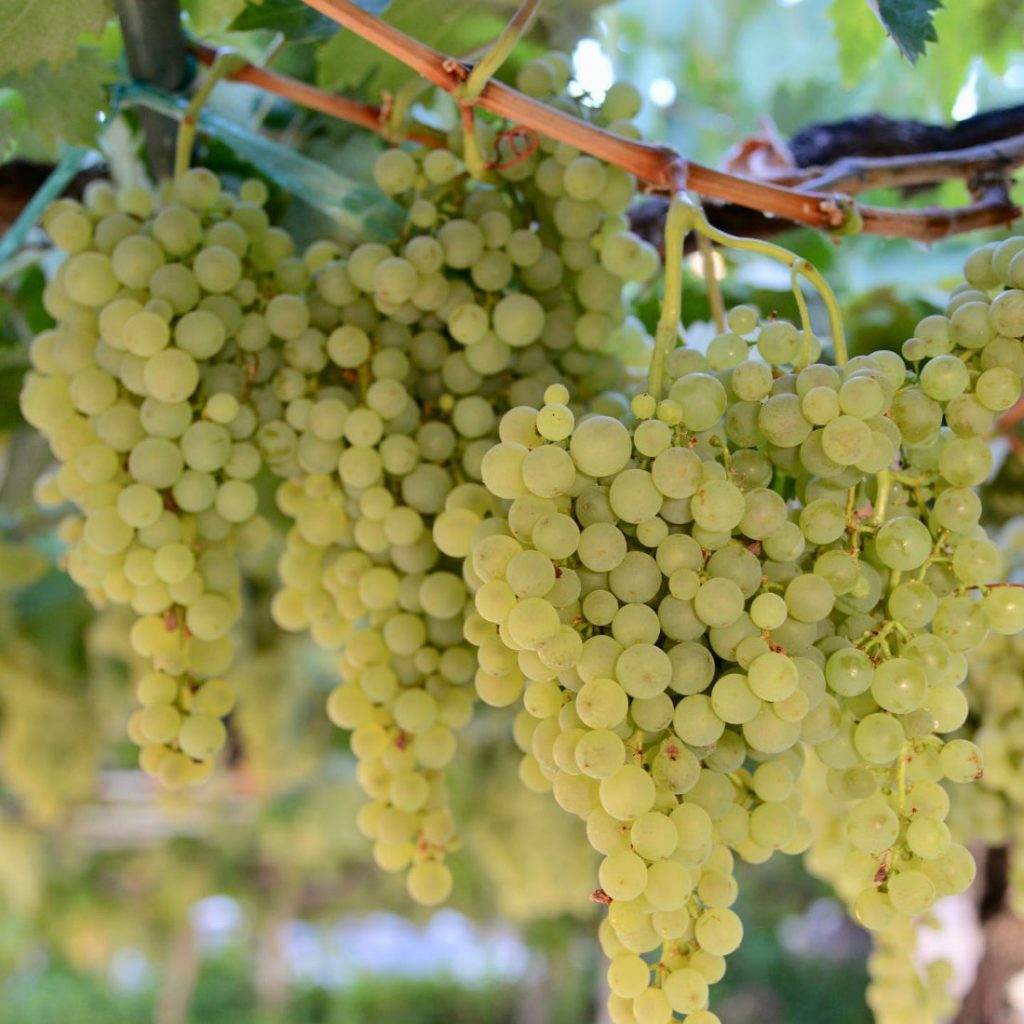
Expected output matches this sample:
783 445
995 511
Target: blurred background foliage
256 901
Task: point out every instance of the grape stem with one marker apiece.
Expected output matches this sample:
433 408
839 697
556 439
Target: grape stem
799 266
224 64
884 489
475 163
901 782
801 305
680 219
707 257
499 52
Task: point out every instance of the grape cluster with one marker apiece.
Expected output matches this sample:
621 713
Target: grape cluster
494 291
991 812
780 555
146 390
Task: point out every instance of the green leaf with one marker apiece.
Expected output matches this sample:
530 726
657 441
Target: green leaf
62 104
208 16
910 23
858 36
296 20
46 30
347 62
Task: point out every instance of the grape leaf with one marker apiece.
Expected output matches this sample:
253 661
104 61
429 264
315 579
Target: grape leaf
62 103
206 16
46 30
295 19
461 28
858 36
910 23
347 62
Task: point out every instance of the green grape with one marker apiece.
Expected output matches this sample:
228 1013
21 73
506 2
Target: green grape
702 399
899 685
872 826
903 543
773 676
911 892
719 602
961 761
600 446
879 738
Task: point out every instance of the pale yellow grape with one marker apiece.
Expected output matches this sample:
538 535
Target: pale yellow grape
201 736
89 279
210 618
602 547
156 688
628 793
651 1007
693 825
599 753
171 375
686 990
532 622
429 883
214 697
160 722
173 562
106 531
718 930
628 975
236 501
669 885
623 876
502 469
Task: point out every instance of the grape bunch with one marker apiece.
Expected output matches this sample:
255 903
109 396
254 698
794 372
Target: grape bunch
780 555
612 623
145 390
991 812
494 291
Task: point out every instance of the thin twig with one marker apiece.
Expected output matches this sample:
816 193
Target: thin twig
855 174
993 209
365 115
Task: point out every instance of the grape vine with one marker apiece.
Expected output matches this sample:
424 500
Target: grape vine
739 598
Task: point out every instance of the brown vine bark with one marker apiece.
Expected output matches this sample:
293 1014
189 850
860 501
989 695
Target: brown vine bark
872 151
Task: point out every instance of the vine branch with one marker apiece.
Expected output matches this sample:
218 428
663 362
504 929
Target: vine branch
365 115
854 174
660 168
